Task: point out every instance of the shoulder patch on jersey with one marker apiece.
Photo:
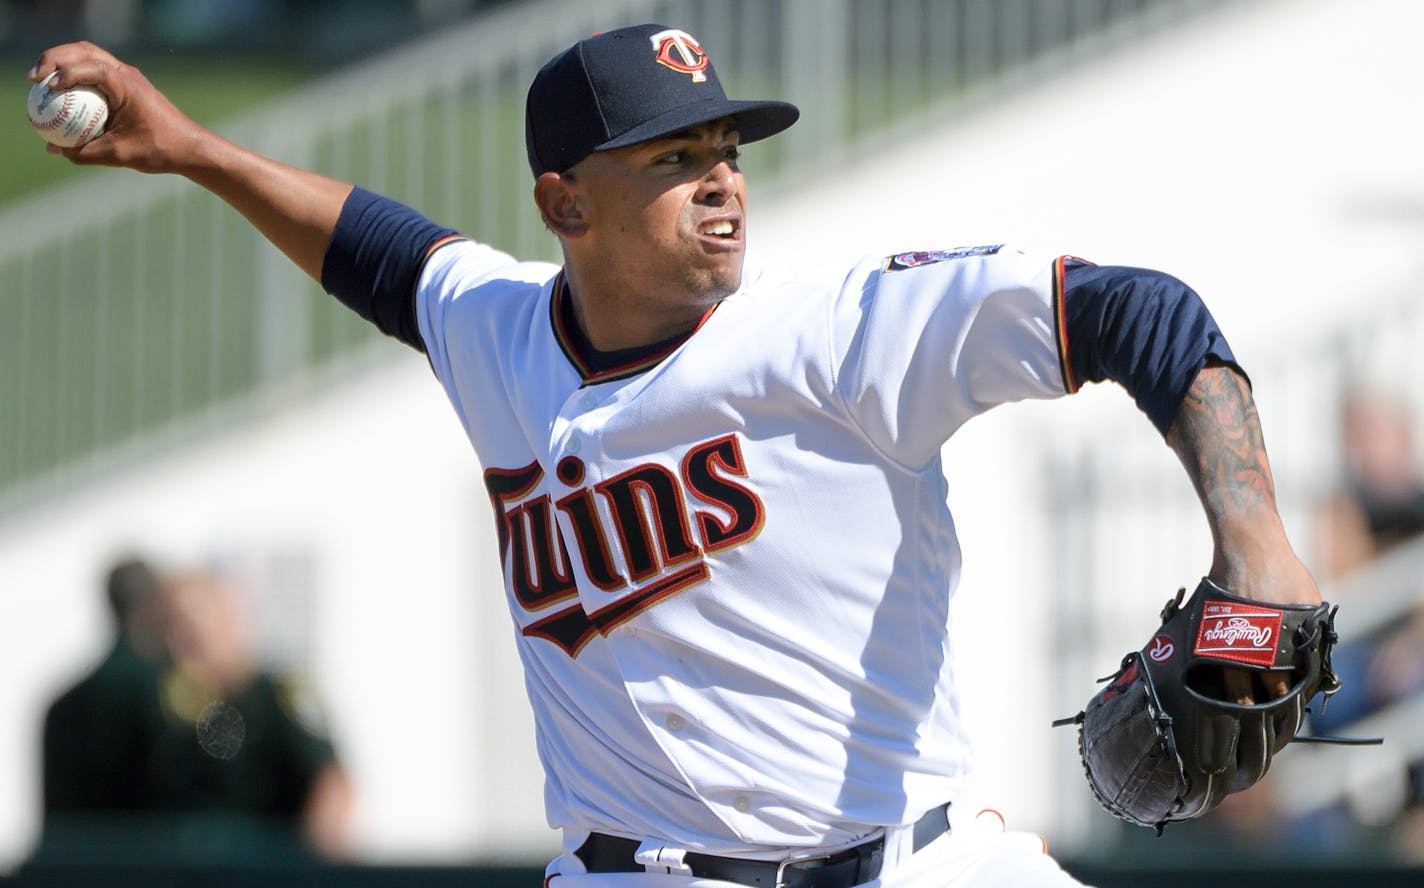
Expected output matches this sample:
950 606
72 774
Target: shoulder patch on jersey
902 261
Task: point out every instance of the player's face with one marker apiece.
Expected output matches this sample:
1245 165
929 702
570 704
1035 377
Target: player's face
671 214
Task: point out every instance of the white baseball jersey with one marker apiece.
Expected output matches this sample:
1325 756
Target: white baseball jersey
730 565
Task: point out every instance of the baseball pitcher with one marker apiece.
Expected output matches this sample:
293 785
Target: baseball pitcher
717 486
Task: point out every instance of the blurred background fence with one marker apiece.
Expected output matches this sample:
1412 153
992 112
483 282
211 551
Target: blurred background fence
144 306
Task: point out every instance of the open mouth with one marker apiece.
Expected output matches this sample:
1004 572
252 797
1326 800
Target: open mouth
722 228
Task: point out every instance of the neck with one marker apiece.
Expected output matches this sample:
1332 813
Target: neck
613 317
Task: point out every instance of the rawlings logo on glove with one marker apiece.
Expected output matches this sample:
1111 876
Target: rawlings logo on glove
1239 633
1162 742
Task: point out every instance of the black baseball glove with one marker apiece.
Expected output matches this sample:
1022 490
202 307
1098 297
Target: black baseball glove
1162 742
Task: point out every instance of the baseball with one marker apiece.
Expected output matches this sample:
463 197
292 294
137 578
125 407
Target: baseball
68 118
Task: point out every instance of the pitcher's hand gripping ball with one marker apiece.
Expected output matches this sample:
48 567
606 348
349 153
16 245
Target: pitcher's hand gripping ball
67 118
1162 742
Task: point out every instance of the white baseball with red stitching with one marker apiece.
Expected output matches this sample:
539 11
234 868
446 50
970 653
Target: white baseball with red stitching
67 118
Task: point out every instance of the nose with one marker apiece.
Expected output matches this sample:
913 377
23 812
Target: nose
720 182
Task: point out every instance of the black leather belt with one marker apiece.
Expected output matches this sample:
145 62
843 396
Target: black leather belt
842 869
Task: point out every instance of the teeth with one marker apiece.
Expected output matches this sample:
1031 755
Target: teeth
720 228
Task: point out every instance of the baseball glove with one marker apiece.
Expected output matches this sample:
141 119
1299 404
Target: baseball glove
1161 742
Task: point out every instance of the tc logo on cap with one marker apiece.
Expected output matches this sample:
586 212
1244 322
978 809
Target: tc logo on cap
680 51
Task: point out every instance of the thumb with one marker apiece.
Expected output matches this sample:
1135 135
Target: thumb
82 155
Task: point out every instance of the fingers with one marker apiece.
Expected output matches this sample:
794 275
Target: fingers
84 64
1238 686
144 130
70 153
96 152
1241 687
75 155
77 63
1277 683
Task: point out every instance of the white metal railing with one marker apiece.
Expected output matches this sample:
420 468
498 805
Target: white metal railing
139 305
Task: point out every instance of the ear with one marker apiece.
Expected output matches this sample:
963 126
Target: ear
561 204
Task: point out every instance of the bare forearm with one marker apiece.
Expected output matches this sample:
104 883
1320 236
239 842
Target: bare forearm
293 208
1217 436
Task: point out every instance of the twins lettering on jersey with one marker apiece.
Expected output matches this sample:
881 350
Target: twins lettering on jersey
641 536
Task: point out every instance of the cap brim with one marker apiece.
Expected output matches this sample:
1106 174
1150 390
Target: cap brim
755 120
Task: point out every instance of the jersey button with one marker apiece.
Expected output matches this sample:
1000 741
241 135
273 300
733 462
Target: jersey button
675 722
588 402
574 445
742 804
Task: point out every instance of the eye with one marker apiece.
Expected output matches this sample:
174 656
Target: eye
732 153
672 157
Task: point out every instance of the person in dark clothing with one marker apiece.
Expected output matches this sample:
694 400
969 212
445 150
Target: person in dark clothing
235 739
99 734
179 744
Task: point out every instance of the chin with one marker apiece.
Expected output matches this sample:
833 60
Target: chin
720 288
725 280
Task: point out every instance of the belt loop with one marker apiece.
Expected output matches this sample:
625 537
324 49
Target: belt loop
931 826
656 856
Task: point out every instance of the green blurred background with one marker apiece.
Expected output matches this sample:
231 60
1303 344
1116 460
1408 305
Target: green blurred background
191 81
214 58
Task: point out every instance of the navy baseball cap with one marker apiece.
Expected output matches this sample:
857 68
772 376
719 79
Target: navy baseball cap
632 85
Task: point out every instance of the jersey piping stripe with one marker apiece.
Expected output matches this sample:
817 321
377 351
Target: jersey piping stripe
1060 320
447 239
561 335
587 374
415 289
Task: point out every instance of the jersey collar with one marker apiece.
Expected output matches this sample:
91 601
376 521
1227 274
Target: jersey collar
596 366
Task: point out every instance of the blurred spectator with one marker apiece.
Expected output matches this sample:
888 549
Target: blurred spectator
238 739
1380 507
205 755
1382 500
99 733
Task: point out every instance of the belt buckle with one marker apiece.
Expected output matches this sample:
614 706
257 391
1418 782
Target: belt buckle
793 861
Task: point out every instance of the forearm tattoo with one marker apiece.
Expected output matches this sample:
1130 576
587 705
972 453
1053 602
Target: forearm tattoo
1217 436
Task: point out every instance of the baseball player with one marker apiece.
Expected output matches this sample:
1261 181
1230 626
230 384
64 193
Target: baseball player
717 486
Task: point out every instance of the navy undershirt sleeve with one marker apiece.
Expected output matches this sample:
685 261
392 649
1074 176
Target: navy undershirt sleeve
374 260
1143 329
